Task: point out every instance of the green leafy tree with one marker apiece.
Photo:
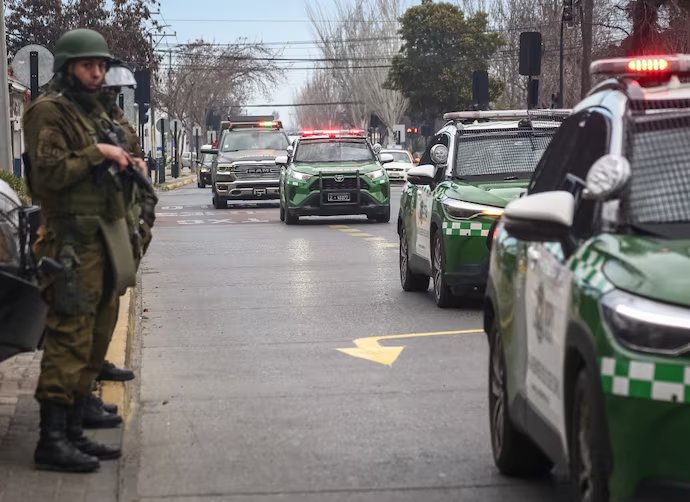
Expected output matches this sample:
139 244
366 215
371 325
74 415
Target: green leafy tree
441 48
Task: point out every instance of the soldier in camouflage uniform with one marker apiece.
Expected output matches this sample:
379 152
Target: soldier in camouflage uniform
74 175
96 413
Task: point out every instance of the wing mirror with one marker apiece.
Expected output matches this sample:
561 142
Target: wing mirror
422 175
386 158
290 150
282 160
542 217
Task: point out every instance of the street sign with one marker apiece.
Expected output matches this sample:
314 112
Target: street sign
163 125
39 73
399 129
196 131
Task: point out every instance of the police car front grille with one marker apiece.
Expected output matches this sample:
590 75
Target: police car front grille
346 184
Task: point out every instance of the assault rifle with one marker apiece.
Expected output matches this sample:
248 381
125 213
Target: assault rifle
148 205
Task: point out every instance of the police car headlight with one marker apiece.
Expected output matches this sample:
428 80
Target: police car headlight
300 176
645 325
374 175
467 210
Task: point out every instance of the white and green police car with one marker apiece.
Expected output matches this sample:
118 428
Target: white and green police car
588 297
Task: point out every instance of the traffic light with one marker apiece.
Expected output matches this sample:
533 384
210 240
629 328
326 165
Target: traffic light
568 12
143 116
409 130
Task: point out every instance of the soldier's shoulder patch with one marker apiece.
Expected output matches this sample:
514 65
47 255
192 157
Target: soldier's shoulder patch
51 145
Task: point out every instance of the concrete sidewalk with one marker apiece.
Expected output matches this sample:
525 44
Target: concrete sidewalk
19 417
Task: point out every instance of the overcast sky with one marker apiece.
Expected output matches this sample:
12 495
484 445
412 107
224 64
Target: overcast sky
223 21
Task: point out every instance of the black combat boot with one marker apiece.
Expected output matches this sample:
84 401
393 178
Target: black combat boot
75 433
54 451
95 417
111 373
97 401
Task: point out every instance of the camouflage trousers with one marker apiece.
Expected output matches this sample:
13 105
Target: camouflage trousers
82 308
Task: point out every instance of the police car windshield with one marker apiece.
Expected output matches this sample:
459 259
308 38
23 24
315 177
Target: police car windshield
239 140
500 154
333 150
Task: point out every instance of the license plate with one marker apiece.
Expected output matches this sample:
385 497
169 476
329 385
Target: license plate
259 191
338 197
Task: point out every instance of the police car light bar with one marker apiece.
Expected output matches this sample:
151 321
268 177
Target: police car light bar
507 114
678 64
331 132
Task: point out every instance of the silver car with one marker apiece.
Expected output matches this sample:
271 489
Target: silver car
402 162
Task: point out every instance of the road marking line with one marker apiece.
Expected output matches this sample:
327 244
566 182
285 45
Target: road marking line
349 230
339 226
370 349
362 234
389 245
376 239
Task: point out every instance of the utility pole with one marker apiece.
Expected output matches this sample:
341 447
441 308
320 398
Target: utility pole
6 160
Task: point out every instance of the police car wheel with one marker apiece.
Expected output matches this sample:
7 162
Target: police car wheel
587 465
408 279
514 453
290 218
442 293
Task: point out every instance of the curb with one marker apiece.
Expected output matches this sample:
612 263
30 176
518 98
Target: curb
179 184
120 393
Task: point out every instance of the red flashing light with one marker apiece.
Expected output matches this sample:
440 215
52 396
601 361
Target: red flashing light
416 130
214 143
331 132
268 123
656 64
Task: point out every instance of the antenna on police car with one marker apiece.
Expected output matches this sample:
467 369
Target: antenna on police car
33 67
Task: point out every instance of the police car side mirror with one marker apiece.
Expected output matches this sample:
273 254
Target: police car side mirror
422 175
540 217
282 160
386 158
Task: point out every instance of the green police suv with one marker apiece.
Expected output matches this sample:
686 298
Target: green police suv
476 163
588 300
333 172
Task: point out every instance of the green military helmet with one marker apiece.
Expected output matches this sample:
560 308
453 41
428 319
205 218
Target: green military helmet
78 44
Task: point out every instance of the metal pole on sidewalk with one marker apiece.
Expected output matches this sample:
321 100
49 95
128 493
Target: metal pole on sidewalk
5 135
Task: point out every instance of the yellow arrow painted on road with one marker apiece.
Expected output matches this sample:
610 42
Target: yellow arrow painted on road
369 348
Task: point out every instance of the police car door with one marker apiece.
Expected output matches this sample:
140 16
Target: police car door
424 204
548 282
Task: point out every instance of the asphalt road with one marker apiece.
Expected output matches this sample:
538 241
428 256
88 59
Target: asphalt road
245 397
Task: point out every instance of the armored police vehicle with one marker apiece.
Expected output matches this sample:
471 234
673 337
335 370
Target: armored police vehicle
244 168
477 162
588 301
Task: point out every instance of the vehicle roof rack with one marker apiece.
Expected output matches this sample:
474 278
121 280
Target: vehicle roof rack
508 114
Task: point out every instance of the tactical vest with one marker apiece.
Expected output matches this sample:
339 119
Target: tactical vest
97 194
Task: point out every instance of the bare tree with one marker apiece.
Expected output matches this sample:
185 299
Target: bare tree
207 77
602 23
321 88
359 47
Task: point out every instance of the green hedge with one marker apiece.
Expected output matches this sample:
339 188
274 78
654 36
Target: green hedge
17 185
